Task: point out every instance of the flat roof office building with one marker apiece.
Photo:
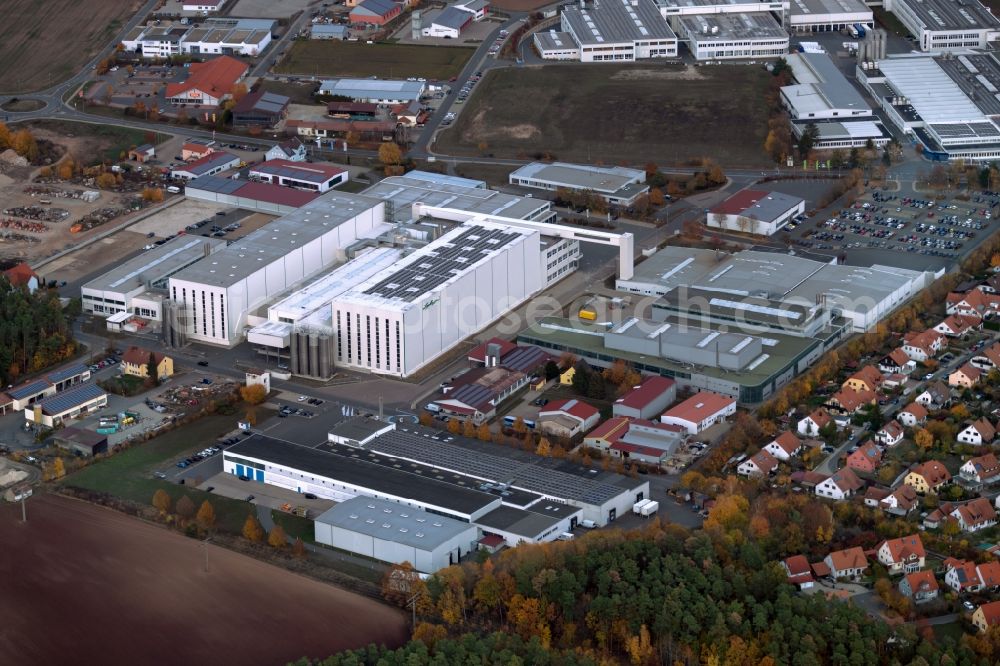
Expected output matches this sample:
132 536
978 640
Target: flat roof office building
374 90
618 185
139 285
828 15
942 25
610 31
947 103
744 36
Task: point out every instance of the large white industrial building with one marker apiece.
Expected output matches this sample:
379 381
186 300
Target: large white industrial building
392 532
822 96
618 185
744 36
861 295
213 36
401 319
948 103
941 25
138 286
609 31
216 294
417 467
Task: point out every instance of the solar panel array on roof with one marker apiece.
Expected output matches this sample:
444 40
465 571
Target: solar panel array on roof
28 390
60 374
62 402
443 263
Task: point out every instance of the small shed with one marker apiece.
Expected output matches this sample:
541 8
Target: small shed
82 442
142 153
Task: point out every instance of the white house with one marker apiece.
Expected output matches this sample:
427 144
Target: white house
975 515
935 396
812 424
890 434
760 464
292 150
784 446
981 469
701 411
842 485
977 433
912 415
903 555
847 563
478 8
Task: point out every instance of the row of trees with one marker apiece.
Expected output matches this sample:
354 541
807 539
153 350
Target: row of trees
277 538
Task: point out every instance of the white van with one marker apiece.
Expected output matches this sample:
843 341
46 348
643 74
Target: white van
565 536
589 524
432 407
173 189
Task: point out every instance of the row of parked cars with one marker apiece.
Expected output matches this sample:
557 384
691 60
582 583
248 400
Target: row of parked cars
104 363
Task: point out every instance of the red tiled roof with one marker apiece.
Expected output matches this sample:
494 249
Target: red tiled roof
700 406
991 613
140 356
849 558
820 417
215 77
921 581
20 274
788 442
989 574
934 473
739 202
308 170
899 356
797 565
573 407
650 389
851 400
276 194
903 548
918 410
612 429
478 353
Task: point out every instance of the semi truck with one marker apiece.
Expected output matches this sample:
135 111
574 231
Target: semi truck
637 508
649 508
853 31
860 29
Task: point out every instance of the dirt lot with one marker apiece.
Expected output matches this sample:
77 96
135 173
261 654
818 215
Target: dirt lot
67 32
387 61
119 590
269 8
664 113
33 245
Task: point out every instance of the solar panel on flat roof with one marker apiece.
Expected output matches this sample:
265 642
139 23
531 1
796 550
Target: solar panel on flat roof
61 402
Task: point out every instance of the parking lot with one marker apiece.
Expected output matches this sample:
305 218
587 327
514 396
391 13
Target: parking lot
919 231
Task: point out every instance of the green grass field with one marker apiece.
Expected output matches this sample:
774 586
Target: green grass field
387 61
129 474
608 113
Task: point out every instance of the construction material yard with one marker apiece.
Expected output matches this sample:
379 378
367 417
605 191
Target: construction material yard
120 590
385 61
46 41
665 113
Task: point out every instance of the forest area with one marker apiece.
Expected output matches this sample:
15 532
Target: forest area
35 331
661 595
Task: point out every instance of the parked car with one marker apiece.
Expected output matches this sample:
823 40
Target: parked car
309 496
203 364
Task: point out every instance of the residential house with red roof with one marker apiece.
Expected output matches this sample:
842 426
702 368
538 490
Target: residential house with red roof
784 446
982 469
988 358
987 616
849 563
849 401
812 424
923 345
760 464
961 575
919 586
902 555
700 412
912 415
965 377
897 362
567 418
979 432
21 275
841 485
975 515
647 400
927 477
957 325
799 572
890 434
208 83
976 302
867 378
898 502
866 459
